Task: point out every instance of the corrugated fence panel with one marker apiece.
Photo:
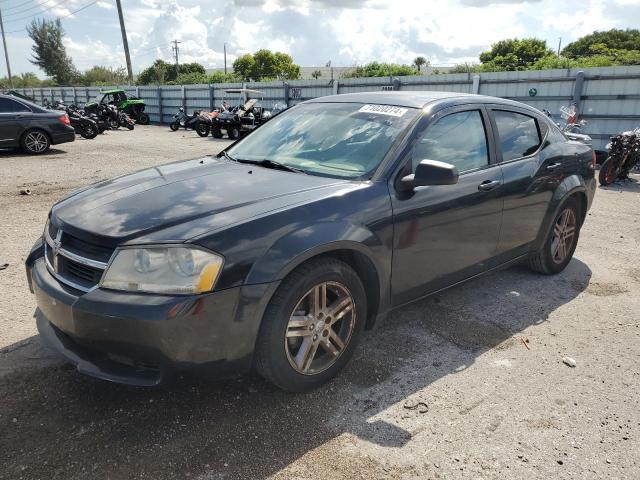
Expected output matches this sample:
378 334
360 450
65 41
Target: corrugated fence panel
610 95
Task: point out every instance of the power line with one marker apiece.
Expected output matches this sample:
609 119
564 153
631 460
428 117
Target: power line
63 16
37 13
26 9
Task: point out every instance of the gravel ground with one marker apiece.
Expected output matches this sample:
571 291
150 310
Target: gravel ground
467 384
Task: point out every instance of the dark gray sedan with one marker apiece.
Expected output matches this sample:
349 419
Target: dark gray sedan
28 126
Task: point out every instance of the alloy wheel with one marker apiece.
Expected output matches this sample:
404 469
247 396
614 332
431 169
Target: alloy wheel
564 231
320 328
36 142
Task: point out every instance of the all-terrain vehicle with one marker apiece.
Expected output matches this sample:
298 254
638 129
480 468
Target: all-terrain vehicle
129 104
243 118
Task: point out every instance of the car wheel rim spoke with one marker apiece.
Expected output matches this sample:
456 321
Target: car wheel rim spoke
319 328
563 236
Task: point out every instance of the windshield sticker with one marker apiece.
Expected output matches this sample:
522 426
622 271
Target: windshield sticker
384 110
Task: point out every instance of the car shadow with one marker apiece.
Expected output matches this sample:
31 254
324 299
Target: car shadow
16 152
57 423
630 184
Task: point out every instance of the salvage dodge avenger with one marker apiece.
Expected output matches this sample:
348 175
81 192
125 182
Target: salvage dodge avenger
277 253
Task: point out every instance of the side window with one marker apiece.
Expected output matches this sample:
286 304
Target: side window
459 139
11 106
519 134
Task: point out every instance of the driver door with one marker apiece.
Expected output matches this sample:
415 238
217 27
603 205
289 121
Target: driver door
446 233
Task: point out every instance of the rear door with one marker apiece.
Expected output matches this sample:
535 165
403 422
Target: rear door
14 118
446 233
532 166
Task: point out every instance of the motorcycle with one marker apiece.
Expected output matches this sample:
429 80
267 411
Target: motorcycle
624 155
125 120
572 127
181 119
83 126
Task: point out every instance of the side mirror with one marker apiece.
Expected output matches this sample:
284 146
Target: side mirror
431 172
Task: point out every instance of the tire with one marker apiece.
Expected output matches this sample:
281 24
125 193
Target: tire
35 142
216 133
113 124
202 129
233 133
89 131
608 172
548 259
174 126
143 119
279 355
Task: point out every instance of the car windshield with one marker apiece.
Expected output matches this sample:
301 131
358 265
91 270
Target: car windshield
344 140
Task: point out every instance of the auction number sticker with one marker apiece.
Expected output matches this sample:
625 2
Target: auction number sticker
384 110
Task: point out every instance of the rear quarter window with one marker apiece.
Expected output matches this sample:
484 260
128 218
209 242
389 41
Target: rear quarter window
519 134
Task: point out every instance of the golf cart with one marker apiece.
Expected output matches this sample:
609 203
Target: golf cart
240 119
129 104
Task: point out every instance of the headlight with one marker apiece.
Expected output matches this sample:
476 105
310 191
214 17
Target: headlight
168 270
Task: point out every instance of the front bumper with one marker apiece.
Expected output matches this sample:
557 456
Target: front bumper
143 339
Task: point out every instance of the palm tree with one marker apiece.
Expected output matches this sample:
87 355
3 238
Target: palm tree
419 62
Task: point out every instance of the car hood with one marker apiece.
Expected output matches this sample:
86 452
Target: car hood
178 201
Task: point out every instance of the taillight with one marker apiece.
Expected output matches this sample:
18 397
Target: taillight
65 119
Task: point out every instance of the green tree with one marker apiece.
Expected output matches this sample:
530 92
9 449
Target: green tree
464 68
49 53
101 76
316 74
613 39
266 65
376 69
161 72
514 54
419 62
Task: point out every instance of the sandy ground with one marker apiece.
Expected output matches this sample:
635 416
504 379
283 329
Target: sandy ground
467 384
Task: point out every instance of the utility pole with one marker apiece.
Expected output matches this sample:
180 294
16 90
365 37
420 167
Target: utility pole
125 43
559 44
6 52
225 58
175 51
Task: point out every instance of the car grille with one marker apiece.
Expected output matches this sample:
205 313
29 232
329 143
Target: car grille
75 262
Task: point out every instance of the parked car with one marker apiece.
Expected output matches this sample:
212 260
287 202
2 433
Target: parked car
281 250
34 129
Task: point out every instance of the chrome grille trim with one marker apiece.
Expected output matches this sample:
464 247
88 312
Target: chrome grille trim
72 256
60 278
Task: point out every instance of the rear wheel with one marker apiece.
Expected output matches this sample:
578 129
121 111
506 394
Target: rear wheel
114 124
609 171
561 242
89 131
202 129
311 326
35 142
143 118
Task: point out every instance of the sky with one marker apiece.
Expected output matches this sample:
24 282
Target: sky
345 32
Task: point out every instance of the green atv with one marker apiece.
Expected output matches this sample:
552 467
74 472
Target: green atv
129 104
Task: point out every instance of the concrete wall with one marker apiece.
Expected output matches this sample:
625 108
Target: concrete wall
608 97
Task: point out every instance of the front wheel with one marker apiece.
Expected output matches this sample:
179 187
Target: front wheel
216 133
233 133
609 171
143 119
311 326
114 124
202 129
561 242
174 126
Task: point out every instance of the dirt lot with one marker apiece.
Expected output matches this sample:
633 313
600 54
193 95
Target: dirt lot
467 384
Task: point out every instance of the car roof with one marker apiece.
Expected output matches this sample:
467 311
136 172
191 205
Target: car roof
115 90
414 99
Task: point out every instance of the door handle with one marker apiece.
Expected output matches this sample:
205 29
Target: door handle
553 166
488 185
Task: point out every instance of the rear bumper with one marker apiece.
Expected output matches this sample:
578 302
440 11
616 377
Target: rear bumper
63 137
144 339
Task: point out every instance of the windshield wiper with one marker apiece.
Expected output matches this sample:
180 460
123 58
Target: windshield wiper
270 164
227 156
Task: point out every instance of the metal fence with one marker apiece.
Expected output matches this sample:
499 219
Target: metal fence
607 97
